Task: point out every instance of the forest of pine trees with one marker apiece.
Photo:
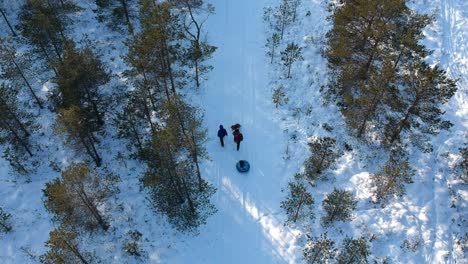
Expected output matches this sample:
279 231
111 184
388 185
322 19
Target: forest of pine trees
389 96
167 53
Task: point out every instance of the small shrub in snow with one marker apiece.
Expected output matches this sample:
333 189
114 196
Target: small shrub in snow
324 153
354 251
5 225
272 44
327 127
464 163
290 55
339 206
63 248
279 98
319 249
132 247
299 203
411 244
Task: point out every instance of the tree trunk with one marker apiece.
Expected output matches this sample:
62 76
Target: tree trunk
127 17
21 141
98 158
8 23
93 210
27 84
75 251
301 200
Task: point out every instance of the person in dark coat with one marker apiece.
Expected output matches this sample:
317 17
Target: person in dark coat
238 137
221 134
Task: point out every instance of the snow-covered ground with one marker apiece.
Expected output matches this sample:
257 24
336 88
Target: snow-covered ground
248 227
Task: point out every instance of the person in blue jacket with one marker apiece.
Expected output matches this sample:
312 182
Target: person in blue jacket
221 134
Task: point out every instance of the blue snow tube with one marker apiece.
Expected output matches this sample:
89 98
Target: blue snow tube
245 166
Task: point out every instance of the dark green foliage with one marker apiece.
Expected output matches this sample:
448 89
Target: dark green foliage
319 249
75 197
78 131
15 129
324 154
173 180
116 12
299 203
291 54
43 24
379 77
5 225
392 177
421 108
339 206
79 77
354 251
63 248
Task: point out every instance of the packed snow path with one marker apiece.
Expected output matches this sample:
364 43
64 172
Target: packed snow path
246 228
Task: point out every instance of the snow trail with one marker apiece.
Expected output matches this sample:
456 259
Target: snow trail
245 229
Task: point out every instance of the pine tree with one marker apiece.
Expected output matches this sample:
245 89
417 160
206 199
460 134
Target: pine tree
272 44
199 50
319 249
299 203
354 251
291 54
12 67
117 12
43 24
172 177
324 154
15 129
426 89
391 179
279 97
75 197
63 248
72 122
339 206
5 225
79 77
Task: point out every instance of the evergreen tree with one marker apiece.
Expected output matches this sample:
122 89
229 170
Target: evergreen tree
319 249
324 154
5 225
426 89
291 54
72 122
12 67
199 50
117 12
79 77
15 129
43 24
75 197
391 179
279 97
339 206
354 251
63 248
272 44
175 188
299 203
